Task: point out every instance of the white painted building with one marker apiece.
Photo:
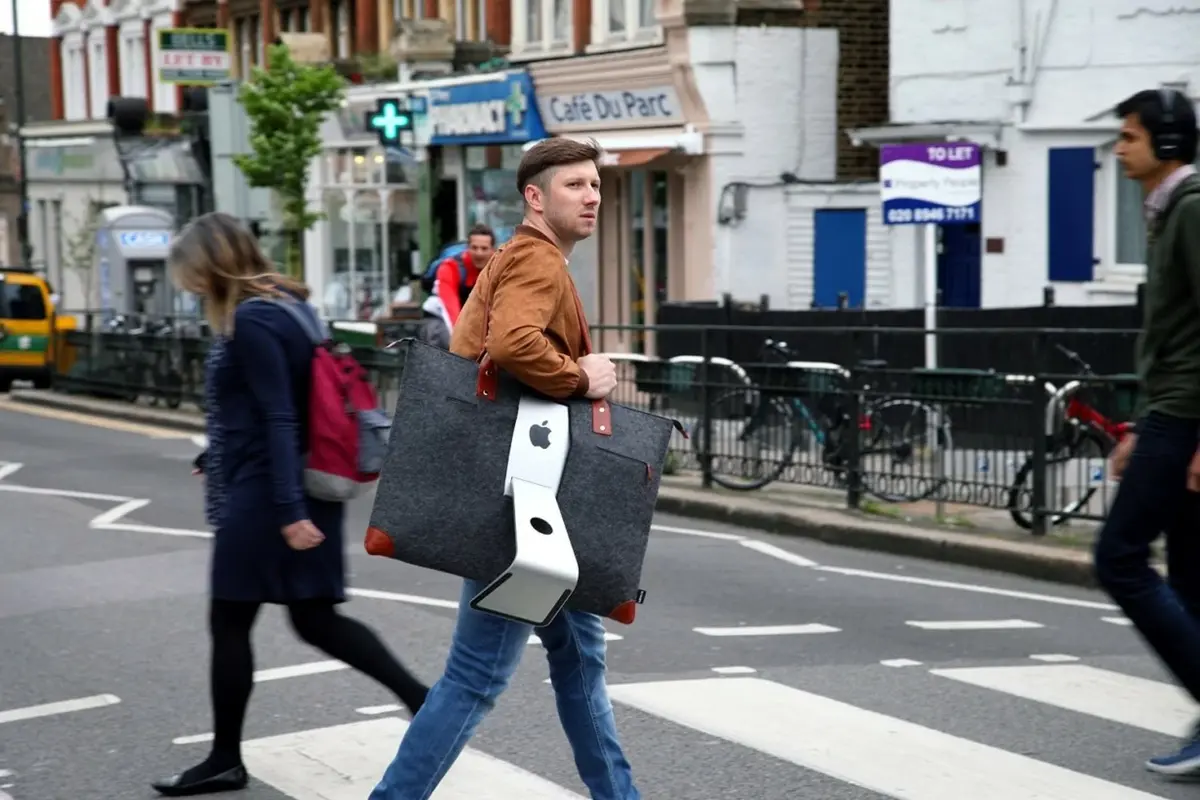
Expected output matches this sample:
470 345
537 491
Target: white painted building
1035 82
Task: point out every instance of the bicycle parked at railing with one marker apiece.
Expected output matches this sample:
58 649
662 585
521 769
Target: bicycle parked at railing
776 424
1077 431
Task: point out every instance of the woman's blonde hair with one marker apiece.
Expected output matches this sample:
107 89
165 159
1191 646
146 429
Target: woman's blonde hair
217 258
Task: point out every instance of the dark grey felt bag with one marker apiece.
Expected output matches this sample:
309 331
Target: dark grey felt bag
440 502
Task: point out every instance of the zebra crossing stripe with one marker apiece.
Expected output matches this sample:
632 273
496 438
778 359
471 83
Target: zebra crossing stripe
1129 700
891 756
345 762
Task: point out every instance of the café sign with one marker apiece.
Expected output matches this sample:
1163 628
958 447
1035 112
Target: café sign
645 107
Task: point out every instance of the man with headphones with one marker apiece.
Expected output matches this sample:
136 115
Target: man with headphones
1159 465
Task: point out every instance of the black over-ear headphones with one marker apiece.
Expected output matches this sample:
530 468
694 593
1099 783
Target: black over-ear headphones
1167 139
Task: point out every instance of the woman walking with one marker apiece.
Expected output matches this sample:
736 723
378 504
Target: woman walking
272 543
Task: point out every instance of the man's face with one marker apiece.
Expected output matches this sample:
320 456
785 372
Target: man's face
1133 149
572 200
480 248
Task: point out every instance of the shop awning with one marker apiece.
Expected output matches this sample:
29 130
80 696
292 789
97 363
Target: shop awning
686 141
632 158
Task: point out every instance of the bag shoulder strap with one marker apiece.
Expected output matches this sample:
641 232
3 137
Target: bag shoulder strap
306 318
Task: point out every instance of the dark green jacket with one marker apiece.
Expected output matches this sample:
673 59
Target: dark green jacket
1168 349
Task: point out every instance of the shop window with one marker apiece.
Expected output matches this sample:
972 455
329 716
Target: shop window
541 26
622 22
491 188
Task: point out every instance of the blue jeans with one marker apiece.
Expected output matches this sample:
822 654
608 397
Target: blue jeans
483 656
1153 500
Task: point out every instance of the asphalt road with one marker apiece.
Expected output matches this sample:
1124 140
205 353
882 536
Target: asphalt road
759 668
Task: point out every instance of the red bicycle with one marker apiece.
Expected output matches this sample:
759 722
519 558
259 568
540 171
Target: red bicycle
1077 432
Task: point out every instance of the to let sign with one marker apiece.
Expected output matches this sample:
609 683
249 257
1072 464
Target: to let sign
939 183
194 56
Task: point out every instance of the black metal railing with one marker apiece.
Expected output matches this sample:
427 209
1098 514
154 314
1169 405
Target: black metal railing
1031 443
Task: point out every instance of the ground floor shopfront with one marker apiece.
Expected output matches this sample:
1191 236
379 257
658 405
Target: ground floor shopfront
477 128
654 239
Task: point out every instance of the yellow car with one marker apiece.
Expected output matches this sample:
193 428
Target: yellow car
27 323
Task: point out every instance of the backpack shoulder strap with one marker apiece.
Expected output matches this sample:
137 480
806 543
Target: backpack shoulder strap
306 318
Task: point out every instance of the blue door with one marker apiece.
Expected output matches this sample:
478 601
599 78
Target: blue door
839 256
959 267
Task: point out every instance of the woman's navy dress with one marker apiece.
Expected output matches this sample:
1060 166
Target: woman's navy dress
257 391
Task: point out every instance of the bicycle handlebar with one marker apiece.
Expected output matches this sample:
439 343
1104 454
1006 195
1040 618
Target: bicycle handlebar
1075 357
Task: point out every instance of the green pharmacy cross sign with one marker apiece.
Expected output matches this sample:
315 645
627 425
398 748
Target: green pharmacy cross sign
389 118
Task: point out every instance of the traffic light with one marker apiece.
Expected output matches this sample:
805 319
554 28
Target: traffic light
388 119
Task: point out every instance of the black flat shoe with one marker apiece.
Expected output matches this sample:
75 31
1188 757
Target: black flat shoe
228 781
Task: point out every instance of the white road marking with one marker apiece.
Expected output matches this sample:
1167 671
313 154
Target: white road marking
969 587
412 599
974 625
608 637
726 537
734 670
108 520
200 440
67 493
297 670
345 762
61 707
768 630
9 468
1054 658
777 552
900 662
1138 702
890 756
6 773
194 739
1122 621
390 708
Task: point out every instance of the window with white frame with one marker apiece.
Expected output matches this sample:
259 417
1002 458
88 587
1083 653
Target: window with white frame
1130 220
616 22
165 96
98 72
470 20
74 77
541 26
132 59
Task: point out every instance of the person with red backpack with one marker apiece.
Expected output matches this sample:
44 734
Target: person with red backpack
294 431
451 285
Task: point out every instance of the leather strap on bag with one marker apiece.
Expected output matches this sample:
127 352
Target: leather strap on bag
488 381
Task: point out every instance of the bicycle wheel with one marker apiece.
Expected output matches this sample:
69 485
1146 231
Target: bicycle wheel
903 443
753 438
1086 442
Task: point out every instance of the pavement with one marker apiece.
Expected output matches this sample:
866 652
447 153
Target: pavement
761 667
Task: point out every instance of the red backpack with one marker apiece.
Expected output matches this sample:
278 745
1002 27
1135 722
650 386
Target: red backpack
348 431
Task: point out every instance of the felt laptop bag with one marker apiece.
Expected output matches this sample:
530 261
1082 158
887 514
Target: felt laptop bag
440 500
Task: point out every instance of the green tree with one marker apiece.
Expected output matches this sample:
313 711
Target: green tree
285 104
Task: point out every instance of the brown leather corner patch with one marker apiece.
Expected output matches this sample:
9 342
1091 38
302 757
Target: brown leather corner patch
624 613
379 543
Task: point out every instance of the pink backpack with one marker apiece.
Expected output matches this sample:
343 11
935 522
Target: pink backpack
348 431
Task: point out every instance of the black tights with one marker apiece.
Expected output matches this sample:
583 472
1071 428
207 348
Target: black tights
318 623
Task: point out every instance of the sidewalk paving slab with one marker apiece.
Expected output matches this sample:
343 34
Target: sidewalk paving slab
807 512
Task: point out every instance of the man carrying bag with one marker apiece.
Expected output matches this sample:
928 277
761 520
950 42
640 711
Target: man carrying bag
526 316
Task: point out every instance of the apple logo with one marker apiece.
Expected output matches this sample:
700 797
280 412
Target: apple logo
539 435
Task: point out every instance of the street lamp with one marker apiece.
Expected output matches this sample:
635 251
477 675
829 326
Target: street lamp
22 183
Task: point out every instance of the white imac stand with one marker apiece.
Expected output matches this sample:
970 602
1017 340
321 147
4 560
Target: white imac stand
545 571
